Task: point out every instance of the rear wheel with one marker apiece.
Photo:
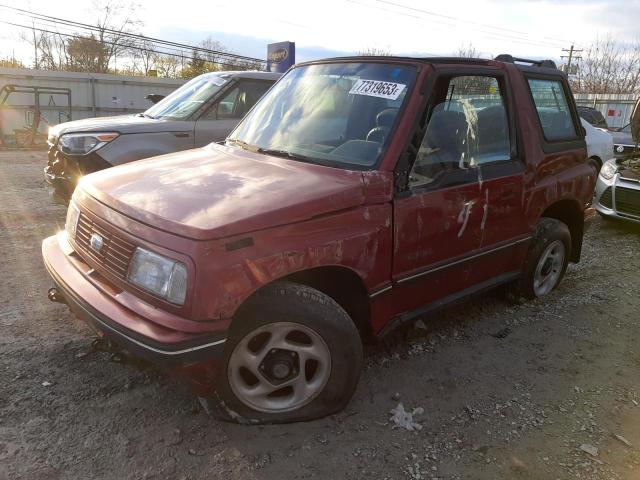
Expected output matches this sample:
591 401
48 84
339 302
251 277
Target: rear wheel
293 354
547 259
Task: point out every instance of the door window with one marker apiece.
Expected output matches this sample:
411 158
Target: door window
553 110
239 100
467 127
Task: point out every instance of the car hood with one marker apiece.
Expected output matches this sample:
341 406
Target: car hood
123 124
220 191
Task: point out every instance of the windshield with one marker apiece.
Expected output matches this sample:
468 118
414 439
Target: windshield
339 114
187 99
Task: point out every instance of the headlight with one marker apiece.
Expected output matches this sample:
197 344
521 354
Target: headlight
609 169
159 275
84 143
73 215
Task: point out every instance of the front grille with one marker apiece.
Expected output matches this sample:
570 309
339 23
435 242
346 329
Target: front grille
628 150
628 201
605 198
115 253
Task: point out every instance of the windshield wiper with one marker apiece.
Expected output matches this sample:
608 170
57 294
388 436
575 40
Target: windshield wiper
242 144
286 154
146 115
276 152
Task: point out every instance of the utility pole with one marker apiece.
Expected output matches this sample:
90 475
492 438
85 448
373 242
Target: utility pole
35 46
570 57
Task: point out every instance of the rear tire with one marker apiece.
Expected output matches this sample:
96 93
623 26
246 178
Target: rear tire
547 259
293 354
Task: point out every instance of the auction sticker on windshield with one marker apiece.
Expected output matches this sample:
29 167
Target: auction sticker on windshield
377 88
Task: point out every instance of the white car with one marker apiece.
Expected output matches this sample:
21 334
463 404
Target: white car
599 144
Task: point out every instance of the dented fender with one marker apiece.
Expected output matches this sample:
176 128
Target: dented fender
227 278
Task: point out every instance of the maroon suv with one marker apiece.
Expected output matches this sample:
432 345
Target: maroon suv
357 195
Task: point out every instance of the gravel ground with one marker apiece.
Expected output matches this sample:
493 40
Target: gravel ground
542 390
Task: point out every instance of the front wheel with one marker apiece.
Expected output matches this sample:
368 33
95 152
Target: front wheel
595 164
292 354
547 259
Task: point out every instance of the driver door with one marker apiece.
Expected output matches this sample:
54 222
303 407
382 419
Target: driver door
450 211
217 122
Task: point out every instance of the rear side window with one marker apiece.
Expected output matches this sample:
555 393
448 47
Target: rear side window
553 110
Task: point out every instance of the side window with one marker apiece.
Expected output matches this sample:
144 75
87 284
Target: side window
468 126
240 101
224 108
553 110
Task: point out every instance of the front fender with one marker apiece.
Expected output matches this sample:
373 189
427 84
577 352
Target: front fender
231 270
136 146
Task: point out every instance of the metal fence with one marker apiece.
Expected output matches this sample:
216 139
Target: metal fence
64 96
615 108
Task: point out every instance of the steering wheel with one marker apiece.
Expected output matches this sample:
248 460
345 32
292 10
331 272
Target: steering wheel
377 134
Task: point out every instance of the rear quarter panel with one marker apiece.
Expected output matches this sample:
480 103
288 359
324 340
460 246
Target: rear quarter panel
549 177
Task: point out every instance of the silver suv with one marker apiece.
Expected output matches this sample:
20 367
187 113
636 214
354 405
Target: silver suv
202 111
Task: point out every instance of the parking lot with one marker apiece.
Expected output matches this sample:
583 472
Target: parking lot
507 389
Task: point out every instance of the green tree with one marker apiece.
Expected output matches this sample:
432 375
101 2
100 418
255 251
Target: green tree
86 54
11 63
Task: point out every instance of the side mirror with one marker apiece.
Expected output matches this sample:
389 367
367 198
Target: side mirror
154 97
635 122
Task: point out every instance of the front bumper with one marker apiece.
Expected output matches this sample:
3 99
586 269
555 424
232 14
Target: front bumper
63 172
133 332
60 187
618 198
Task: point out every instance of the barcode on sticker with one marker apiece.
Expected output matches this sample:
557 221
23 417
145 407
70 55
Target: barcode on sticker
377 88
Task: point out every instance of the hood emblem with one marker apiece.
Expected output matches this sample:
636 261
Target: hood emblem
96 242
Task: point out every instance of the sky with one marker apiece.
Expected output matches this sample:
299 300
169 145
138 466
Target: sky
528 28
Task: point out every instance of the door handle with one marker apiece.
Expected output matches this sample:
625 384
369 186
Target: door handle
181 134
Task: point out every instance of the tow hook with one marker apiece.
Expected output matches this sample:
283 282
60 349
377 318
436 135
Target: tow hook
102 344
54 295
116 355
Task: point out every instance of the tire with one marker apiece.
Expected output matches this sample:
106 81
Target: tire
607 218
299 339
547 259
595 164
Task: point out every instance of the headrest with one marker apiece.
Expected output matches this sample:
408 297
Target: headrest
386 117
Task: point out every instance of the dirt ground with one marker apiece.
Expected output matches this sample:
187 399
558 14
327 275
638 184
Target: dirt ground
507 390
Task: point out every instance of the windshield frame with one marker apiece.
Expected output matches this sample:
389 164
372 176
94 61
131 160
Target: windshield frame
344 165
201 109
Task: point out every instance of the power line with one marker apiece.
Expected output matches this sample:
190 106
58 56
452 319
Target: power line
58 20
68 35
477 25
458 19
